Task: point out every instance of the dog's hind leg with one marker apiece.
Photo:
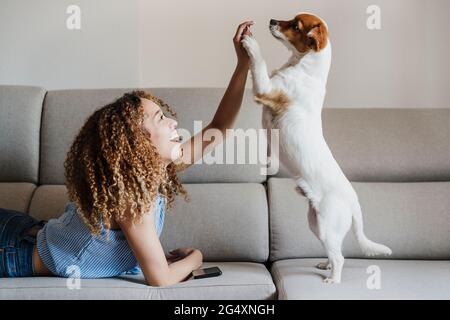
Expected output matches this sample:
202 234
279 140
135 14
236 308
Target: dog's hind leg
333 223
336 260
312 220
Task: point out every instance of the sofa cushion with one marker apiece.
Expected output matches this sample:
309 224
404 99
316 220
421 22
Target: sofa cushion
66 110
398 279
239 280
389 145
20 122
48 202
227 222
16 196
413 219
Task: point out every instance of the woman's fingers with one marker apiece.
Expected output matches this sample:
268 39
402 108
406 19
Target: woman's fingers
181 251
247 32
241 29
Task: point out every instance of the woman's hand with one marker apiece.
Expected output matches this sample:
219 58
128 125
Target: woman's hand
242 56
181 253
198 260
171 258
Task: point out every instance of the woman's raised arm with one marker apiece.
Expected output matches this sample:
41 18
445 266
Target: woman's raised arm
228 110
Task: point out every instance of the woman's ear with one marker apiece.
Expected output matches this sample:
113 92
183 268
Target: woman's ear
318 37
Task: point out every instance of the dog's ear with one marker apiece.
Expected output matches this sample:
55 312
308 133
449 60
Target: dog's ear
318 37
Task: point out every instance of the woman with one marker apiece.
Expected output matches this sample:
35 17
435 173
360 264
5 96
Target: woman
120 175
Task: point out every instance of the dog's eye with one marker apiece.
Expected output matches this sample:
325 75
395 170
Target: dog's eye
295 27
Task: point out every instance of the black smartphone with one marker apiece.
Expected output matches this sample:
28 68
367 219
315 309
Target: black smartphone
206 273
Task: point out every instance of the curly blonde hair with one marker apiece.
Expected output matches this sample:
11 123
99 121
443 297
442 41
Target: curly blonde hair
112 165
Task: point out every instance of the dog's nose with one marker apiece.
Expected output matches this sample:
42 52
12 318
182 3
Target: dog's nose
273 22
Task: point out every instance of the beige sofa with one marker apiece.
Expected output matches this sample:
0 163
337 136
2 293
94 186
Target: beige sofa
252 226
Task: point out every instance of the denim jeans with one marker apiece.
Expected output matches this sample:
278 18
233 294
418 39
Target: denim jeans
17 241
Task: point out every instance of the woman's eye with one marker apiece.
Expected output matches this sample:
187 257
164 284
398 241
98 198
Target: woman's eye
162 117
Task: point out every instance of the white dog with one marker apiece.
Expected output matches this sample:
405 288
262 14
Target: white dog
293 98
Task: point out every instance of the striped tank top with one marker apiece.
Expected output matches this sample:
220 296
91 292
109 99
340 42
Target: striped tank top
68 249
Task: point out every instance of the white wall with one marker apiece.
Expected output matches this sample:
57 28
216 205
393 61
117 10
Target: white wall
187 43
38 49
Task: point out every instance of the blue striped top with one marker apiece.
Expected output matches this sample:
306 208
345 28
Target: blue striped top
68 249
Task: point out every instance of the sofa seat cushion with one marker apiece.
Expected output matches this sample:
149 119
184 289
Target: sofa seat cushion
239 280
16 195
298 279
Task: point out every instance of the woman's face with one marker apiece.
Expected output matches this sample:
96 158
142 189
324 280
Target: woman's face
162 130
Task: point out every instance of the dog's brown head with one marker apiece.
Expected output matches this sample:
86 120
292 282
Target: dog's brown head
303 33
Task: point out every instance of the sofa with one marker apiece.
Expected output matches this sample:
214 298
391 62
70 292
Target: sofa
253 226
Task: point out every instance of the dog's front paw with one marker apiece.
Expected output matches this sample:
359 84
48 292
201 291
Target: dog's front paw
251 46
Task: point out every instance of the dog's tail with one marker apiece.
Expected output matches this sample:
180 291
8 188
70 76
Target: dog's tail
369 247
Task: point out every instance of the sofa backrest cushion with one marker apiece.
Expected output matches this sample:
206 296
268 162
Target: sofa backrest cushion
389 145
20 123
413 219
65 111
